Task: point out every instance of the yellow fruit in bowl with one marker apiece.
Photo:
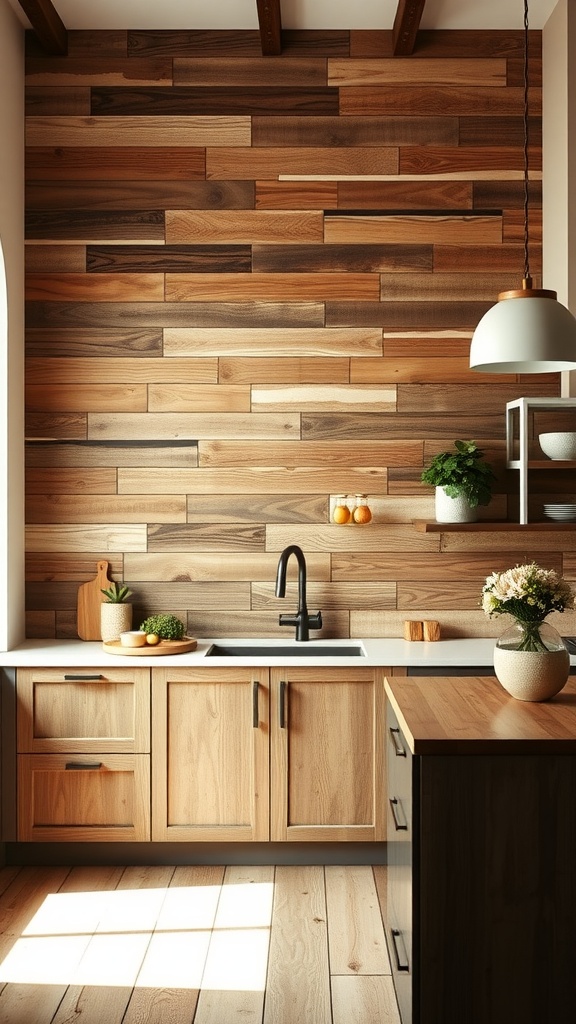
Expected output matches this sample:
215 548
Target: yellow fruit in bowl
152 639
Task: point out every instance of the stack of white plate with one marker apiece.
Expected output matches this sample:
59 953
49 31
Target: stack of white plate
561 513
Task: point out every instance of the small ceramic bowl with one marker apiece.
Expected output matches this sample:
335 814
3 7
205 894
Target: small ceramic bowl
560 445
133 638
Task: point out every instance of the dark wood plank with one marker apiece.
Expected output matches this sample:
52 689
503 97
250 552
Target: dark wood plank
78 454
433 100
140 195
98 70
85 44
270 22
405 195
406 316
482 398
130 163
354 131
213 100
449 43
406 25
443 160
175 314
91 224
193 259
483 259
98 342
238 43
58 101
504 131
48 26
274 71
296 195
366 258
494 195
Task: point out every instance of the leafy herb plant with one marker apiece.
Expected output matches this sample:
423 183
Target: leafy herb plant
167 627
117 593
462 472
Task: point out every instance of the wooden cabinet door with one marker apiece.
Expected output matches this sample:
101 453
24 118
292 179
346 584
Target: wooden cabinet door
327 749
210 773
100 710
83 797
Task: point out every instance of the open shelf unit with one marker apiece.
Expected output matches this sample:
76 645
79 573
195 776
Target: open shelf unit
522 407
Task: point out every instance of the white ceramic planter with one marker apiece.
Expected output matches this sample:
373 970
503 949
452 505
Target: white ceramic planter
114 619
453 510
531 675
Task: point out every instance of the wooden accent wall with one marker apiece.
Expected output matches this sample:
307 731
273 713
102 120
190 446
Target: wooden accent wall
251 285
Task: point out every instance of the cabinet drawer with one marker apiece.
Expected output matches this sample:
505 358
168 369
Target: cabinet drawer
79 797
101 710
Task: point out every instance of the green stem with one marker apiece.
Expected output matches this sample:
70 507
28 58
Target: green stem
531 639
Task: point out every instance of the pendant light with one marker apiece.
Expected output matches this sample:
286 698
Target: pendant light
528 330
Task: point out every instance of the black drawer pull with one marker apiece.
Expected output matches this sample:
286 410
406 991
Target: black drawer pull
81 678
398 748
400 954
400 822
87 766
255 713
282 703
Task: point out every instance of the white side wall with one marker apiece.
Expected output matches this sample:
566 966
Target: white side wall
11 329
559 160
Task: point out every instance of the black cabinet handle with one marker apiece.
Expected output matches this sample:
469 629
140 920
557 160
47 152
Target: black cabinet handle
397 743
255 713
83 677
400 954
87 766
400 822
282 704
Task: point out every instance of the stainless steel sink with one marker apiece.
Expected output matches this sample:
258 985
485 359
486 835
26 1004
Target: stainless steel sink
281 650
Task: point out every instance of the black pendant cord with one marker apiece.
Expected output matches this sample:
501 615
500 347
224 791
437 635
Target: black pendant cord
526 256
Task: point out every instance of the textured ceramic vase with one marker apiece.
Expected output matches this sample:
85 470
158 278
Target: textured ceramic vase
453 510
115 618
531 674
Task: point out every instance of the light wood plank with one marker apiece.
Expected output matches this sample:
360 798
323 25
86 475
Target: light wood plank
346 398
243 226
80 536
376 537
141 131
310 453
298 370
41 371
415 370
265 342
327 595
355 929
261 479
364 1000
204 567
296 987
158 425
111 509
266 162
62 398
272 287
204 398
404 71
234 980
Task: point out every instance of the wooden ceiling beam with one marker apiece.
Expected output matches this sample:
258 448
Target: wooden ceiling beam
47 24
270 22
406 25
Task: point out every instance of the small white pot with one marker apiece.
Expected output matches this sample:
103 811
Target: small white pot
453 510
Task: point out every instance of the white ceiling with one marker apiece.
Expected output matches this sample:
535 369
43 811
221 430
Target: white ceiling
296 14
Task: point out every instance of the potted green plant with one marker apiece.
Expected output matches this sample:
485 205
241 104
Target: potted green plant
115 611
463 481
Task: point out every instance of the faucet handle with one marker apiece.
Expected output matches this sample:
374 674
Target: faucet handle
315 621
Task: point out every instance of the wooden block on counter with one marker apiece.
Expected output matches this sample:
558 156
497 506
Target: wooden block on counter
431 629
413 630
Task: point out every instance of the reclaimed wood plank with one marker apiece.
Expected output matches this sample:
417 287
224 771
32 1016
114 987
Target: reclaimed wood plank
378 537
442 287
506 131
93 226
258 479
145 163
408 316
96 343
74 454
64 258
254 508
119 537
268 161
53 287
141 131
57 371
451 230
203 398
482 72
270 286
86 398
168 259
291 131
402 195
138 195
429 566
314 341
370 258
432 100
280 195
328 596
99 70
295 370
301 71
212 101
483 259
314 398
236 43
506 194
448 397
292 454
56 425
110 509
212 537
396 426
176 314
233 566
68 567
243 226
73 101
194 425
417 371
437 159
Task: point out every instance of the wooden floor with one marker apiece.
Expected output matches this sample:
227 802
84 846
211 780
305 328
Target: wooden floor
208 945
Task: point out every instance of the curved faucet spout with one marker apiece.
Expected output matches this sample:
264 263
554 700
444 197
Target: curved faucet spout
302 620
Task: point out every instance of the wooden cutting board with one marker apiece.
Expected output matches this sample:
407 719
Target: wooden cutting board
188 643
90 598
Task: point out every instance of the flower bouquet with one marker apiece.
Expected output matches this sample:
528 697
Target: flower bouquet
528 593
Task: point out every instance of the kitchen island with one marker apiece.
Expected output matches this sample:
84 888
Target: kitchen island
481 902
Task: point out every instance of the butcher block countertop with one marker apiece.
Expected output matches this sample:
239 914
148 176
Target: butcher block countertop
474 715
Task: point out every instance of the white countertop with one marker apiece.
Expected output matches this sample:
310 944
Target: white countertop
461 653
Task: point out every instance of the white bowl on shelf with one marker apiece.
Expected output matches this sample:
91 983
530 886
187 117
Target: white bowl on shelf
559 445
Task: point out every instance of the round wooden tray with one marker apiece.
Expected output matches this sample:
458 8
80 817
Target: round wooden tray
188 643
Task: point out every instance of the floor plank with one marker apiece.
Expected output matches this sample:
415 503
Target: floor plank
194 945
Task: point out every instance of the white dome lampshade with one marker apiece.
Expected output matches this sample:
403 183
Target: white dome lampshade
526 331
